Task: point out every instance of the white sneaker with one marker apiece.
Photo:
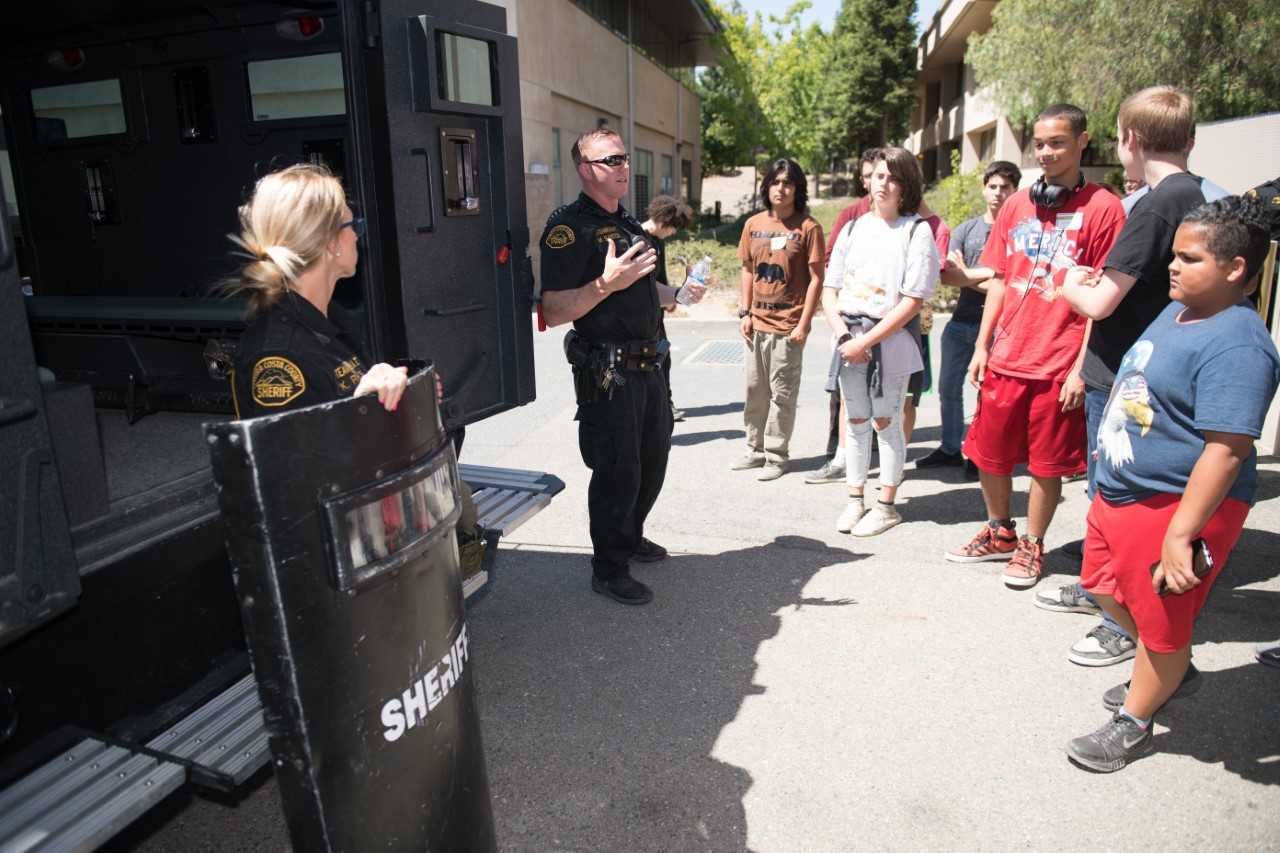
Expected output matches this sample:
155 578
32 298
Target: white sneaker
851 514
877 520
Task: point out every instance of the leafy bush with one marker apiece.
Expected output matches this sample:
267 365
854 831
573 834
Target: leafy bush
955 198
958 196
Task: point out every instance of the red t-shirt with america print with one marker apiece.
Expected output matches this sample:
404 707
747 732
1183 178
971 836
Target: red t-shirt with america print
1038 336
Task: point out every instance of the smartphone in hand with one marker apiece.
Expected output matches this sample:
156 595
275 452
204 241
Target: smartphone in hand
1201 564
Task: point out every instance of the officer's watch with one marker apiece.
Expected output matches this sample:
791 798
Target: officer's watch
840 341
743 312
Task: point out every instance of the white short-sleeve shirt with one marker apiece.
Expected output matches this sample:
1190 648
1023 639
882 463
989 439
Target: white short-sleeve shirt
873 268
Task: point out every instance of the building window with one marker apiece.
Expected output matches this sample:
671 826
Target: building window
957 92
642 179
945 152
932 101
986 145
686 180
557 175
929 166
667 180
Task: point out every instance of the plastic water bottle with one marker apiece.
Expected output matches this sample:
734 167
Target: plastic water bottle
697 279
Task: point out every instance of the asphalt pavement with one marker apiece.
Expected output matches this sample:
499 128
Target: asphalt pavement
794 689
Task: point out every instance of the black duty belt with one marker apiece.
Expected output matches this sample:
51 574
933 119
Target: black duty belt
774 306
630 356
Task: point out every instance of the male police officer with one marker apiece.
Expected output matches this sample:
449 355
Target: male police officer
597 272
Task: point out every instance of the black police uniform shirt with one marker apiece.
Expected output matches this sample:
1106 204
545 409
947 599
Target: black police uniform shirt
291 356
574 246
1143 250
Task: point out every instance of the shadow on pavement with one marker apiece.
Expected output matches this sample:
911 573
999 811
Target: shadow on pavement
600 721
1235 615
683 439
1231 721
955 506
707 411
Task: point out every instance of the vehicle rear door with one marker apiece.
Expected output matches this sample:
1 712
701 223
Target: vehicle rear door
452 92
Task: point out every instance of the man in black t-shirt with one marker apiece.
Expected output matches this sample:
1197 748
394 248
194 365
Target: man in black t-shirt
1155 131
999 181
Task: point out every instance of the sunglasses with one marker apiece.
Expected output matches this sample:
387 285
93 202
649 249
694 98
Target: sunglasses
613 160
356 225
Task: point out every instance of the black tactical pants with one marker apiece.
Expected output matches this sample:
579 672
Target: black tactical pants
625 442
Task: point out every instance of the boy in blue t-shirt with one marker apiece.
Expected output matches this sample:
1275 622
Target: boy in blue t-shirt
1176 467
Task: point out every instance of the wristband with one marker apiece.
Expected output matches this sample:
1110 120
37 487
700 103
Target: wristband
743 313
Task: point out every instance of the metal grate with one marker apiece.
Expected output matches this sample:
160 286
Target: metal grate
722 353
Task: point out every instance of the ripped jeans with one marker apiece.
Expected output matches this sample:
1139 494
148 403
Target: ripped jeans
860 405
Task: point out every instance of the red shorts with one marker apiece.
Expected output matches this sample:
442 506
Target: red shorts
1021 420
1122 543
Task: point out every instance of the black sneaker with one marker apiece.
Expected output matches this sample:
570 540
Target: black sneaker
940 459
649 552
1112 746
1074 550
1113 699
970 470
623 589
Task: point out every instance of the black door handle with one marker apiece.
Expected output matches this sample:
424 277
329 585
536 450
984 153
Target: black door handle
431 192
453 312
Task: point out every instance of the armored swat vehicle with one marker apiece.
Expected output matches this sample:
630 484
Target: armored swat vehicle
132 132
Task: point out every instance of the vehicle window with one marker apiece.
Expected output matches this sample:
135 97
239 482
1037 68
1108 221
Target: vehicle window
466 69
77 110
298 87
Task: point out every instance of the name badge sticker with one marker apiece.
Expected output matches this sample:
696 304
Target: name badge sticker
778 243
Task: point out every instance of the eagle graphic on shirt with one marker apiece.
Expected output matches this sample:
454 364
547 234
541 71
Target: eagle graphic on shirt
1130 401
1050 251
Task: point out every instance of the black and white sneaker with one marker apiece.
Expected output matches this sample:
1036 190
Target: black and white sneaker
1113 746
1066 599
1102 647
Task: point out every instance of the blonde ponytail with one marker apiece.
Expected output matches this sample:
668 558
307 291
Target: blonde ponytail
285 228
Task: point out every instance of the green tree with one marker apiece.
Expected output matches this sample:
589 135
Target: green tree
790 79
869 87
1221 51
732 120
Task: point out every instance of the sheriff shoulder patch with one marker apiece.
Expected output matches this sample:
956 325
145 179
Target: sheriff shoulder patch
559 237
276 381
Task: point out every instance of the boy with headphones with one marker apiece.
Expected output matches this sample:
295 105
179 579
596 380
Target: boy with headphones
1030 346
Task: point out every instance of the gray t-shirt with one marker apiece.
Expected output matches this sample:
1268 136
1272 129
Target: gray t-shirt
971 236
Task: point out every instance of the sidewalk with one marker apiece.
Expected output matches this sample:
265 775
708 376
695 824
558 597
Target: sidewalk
791 688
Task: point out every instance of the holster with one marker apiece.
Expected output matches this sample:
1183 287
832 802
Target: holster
588 367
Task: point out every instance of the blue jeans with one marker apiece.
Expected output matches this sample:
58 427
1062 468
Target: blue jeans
958 341
1095 403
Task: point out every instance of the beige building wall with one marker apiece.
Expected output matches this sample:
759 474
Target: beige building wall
573 75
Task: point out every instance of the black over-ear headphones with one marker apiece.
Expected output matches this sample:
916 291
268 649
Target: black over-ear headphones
1053 196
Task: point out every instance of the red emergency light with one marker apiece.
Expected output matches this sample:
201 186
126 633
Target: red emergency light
303 28
67 59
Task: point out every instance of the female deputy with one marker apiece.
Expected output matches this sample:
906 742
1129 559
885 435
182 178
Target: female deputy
301 238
